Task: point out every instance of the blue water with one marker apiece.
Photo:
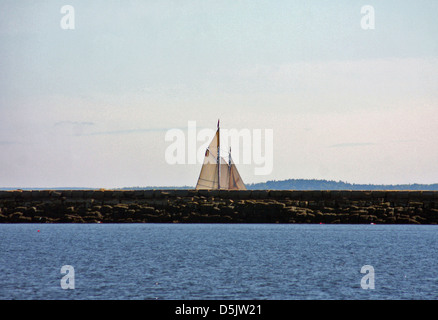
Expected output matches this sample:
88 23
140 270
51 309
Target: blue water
218 261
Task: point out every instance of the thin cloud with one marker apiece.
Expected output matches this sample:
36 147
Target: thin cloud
5 143
75 123
12 142
352 144
121 132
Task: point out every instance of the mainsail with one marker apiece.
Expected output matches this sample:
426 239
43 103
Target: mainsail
216 173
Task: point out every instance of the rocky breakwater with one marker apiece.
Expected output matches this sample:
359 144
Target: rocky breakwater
219 206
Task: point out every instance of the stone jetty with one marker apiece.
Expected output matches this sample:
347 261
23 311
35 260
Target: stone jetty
219 206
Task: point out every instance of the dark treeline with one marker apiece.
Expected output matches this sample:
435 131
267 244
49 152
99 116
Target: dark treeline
306 184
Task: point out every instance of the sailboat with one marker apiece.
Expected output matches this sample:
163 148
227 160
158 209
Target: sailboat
216 172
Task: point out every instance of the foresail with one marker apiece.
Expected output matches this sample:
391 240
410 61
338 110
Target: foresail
225 174
235 181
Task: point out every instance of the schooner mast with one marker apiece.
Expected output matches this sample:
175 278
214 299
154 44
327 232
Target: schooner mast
218 155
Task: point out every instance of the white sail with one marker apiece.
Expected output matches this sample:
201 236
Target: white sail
218 174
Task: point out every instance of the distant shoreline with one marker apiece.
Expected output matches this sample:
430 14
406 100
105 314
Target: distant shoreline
289 184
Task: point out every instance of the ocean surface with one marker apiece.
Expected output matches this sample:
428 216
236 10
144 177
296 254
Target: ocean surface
218 261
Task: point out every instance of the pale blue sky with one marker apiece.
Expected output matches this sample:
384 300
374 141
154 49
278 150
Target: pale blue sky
90 107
